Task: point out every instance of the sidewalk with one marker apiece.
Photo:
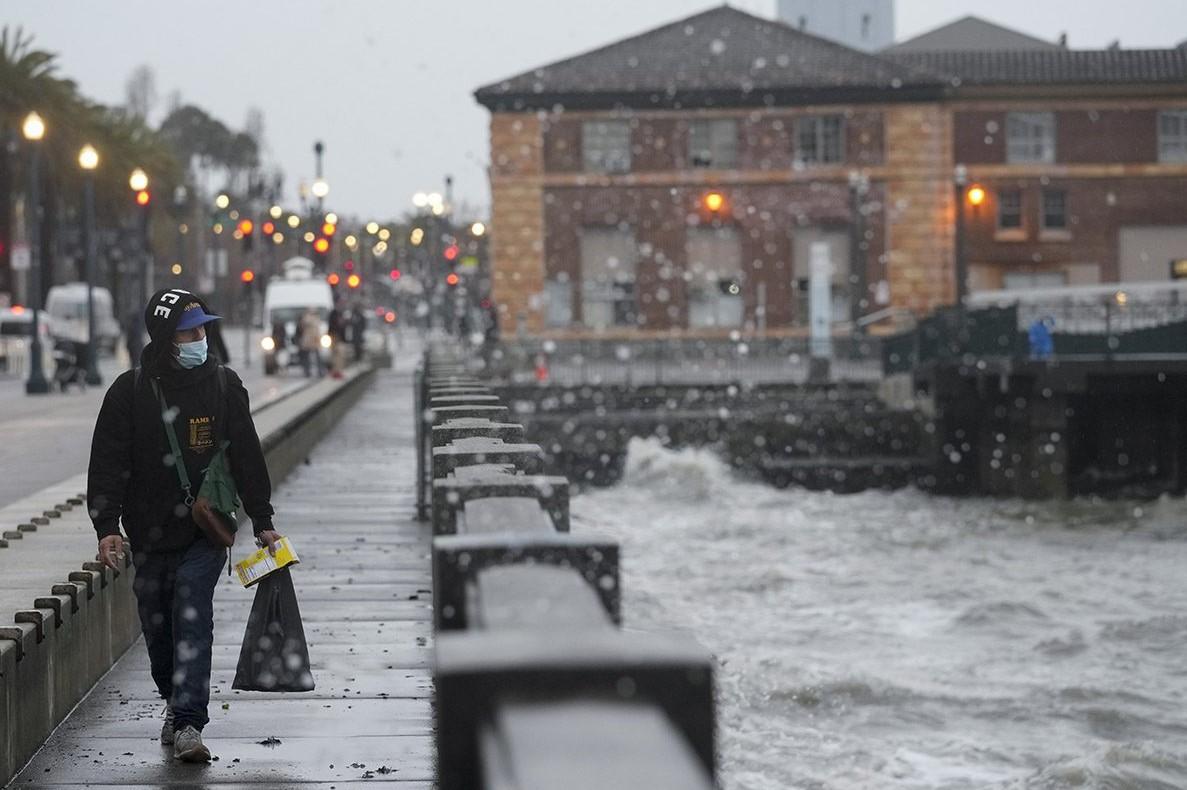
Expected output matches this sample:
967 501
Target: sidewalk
364 588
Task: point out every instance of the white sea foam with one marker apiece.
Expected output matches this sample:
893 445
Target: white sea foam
897 640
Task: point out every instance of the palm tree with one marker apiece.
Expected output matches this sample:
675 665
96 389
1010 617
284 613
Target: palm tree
29 81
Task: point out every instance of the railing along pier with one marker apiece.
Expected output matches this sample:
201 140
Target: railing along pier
536 684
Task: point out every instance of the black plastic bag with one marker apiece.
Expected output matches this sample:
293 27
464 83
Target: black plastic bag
274 656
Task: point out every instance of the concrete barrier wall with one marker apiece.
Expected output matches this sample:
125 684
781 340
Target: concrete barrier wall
536 684
60 644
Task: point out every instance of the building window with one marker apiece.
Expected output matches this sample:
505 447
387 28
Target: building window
1055 210
1030 137
1009 209
608 264
820 140
606 146
713 143
714 277
1172 136
559 292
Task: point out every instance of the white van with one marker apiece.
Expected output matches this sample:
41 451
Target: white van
66 309
285 300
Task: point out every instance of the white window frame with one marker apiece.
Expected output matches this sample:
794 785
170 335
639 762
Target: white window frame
710 304
559 293
713 143
606 146
818 129
1001 202
1172 136
1030 137
608 292
1067 221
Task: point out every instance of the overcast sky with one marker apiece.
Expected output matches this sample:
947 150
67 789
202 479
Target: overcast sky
387 84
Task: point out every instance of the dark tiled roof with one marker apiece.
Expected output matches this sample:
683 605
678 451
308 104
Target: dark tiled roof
1051 67
717 52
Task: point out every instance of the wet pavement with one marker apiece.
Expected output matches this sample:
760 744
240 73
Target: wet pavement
365 595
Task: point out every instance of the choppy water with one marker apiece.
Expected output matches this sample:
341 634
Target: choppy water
896 640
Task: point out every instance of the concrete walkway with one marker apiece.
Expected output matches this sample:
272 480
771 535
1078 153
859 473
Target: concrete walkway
364 589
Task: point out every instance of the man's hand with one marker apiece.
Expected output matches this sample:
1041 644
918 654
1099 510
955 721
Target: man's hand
111 551
268 538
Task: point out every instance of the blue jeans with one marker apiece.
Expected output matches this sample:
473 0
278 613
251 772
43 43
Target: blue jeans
175 599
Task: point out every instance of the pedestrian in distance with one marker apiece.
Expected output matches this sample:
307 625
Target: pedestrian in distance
142 476
358 331
309 341
338 322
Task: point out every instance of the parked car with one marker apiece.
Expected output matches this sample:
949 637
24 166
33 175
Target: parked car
16 328
66 306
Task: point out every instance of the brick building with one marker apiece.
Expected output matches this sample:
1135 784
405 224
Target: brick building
677 180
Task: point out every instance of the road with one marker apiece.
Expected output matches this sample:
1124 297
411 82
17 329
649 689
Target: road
47 438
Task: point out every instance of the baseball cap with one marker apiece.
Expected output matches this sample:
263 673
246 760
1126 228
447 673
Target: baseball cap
193 315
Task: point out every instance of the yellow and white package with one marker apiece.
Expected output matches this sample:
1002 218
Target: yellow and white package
261 563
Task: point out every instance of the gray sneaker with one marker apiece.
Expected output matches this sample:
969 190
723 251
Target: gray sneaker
188 746
167 727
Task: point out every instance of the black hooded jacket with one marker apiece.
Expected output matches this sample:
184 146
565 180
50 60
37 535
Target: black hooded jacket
131 475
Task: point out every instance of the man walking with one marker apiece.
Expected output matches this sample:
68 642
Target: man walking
133 477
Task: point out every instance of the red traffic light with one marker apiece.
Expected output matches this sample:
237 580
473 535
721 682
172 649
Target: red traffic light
247 276
143 198
451 252
396 274
321 245
334 279
452 279
246 226
328 229
349 266
269 228
354 281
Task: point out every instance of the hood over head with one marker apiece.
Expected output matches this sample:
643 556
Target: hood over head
162 315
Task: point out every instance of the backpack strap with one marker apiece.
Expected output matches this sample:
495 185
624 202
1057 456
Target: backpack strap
183 475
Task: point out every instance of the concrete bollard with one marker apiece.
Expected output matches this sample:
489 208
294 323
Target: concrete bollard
457 558
451 495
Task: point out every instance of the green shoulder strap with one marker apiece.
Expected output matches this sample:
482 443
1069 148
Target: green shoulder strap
183 475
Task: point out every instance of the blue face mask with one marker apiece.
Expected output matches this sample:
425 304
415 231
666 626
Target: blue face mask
191 355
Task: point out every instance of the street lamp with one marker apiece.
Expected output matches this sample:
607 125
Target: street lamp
33 129
88 160
960 180
138 181
320 189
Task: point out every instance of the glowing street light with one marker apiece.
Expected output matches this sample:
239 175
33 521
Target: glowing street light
275 212
88 157
138 180
976 195
222 201
320 188
33 127
478 229
294 221
372 228
384 234
420 200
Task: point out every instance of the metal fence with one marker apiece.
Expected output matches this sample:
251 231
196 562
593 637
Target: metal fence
680 361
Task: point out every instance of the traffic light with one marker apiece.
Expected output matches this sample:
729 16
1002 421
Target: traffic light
143 197
333 279
248 278
329 229
246 230
452 279
269 228
396 274
451 252
321 245
354 281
